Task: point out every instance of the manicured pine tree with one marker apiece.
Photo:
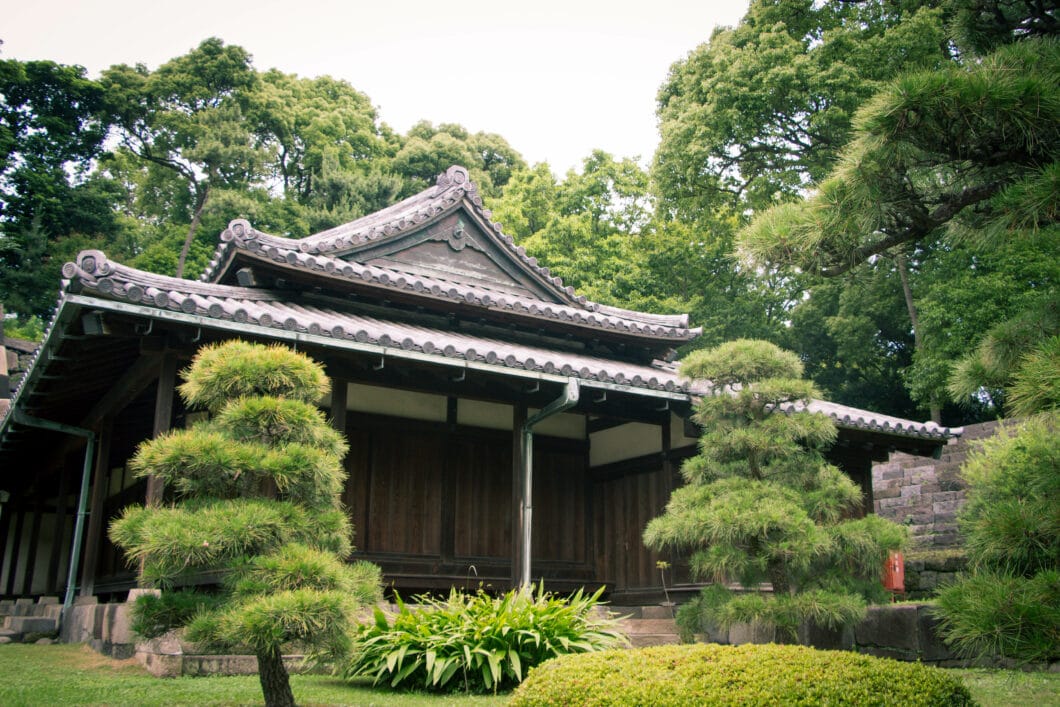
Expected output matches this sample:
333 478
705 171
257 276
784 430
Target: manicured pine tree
257 500
761 505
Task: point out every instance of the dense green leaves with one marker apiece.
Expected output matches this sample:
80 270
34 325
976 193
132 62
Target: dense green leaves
476 641
737 675
256 505
761 505
1010 603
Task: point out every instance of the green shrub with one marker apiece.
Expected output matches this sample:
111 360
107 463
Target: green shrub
992 613
1009 604
477 642
737 675
155 614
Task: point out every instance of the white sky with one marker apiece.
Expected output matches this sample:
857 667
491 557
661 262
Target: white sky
556 79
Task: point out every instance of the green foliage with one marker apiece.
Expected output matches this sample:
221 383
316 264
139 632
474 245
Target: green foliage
477 642
762 109
257 503
32 329
761 505
1010 603
925 157
1036 384
737 675
1011 519
155 614
235 369
996 613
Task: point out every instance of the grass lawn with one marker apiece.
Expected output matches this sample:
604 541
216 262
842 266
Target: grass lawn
75 675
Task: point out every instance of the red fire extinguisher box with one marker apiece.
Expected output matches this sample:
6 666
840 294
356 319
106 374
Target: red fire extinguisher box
894 573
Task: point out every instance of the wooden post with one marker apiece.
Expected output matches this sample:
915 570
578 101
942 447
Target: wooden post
518 479
16 550
34 541
447 516
167 379
51 586
94 533
338 404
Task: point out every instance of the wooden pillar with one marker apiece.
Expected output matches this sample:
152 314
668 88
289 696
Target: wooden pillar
518 479
94 532
167 379
31 554
339 391
58 539
16 550
7 520
447 517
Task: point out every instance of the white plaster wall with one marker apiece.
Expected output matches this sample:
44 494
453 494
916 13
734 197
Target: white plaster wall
476 413
633 439
677 433
399 403
566 424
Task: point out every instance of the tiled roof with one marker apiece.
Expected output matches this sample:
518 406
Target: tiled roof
320 254
94 275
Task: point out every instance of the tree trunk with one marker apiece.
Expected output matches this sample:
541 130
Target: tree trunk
275 683
195 218
910 305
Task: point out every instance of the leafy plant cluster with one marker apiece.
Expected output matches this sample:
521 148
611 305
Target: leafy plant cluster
256 502
1009 604
477 642
760 503
737 675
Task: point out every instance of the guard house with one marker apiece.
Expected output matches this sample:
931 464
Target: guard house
489 408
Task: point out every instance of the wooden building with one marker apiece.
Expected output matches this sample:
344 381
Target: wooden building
453 356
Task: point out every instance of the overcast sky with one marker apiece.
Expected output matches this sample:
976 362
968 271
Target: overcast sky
556 79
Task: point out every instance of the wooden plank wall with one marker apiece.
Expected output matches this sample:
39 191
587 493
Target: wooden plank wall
397 495
623 506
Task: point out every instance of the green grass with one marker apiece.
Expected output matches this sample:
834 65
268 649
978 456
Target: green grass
1012 688
75 675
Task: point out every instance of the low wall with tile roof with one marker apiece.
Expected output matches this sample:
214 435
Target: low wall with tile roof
925 495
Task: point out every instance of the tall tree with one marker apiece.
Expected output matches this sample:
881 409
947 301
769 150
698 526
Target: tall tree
52 123
428 151
258 498
761 505
762 109
186 119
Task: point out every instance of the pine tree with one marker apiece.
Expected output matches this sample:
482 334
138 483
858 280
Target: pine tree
257 500
761 505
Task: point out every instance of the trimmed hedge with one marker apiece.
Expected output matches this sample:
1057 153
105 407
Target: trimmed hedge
737 675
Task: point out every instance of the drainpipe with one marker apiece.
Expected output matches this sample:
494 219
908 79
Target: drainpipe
82 501
567 400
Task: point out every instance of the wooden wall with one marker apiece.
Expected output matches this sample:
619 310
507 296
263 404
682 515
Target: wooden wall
428 501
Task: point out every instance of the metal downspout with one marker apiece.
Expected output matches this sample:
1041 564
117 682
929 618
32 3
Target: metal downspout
82 501
567 400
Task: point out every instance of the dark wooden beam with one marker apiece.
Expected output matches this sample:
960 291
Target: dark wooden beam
518 475
126 389
16 550
94 532
339 392
167 378
51 586
34 542
447 517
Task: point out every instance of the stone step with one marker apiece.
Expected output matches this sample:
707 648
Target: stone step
31 624
653 611
646 640
650 626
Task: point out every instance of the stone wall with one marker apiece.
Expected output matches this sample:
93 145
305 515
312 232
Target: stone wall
924 493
